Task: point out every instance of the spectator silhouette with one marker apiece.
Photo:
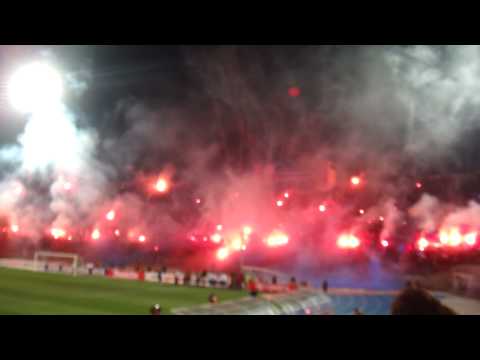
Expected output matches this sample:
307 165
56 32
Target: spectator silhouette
415 301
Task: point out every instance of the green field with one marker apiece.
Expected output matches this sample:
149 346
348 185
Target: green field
25 292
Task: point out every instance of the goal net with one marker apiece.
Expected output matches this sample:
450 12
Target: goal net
56 262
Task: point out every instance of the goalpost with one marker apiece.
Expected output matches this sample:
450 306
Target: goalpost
45 255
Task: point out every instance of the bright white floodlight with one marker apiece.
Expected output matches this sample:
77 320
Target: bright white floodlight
34 87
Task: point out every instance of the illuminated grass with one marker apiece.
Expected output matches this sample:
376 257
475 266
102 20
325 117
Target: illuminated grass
25 292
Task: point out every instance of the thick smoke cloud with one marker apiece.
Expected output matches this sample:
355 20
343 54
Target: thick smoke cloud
238 139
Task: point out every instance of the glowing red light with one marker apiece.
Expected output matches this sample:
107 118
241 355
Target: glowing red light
222 254
276 239
57 233
156 248
96 234
216 238
286 195
470 238
198 201
322 208
381 218
14 228
384 243
117 232
161 185
219 227
355 180
348 241
418 185
110 215
279 203
247 230
361 211
423 244
142 238
237 244
294 91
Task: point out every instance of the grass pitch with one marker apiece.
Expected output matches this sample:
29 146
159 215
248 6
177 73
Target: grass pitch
32 293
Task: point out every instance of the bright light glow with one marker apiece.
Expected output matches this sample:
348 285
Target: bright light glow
222 253
198 201
322 208
219 227
423 244
110 215
237 244
355 180
286 195
470 238
96 234
276 239
35 87
279 203
361 211
216 238
418 185
247 230
444 238
67 186
348 241
14 228
142 238
384 243
57 233
161 185
117 232
455 237
381 218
